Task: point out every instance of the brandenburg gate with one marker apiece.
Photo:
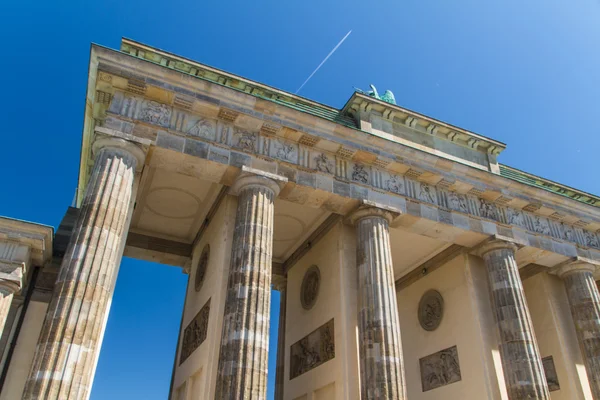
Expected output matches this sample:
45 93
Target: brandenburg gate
411 263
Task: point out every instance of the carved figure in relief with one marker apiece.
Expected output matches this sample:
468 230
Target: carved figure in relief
514 217
155 113
246 140
284 151
457 202
590 239
203 128
323 163
360 174
486 209
394 184
440 369
426 194
567 232
541 226
313 350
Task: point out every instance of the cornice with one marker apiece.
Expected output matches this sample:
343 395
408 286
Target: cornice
354 149
361 102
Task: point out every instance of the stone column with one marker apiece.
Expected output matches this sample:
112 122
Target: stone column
67 350
281 286
521 361
243 360
584 300
380 349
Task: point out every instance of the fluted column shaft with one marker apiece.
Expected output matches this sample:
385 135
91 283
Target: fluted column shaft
243 360
584 300
7 290
380 348
280 367
521 361
67 350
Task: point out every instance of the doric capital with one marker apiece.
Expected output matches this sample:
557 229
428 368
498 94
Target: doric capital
573 265
251 177
120 144
494 243
370 209
9 287
279 282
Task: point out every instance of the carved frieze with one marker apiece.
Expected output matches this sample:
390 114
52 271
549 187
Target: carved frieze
440 369
195 333
322 162
202 127
342 165
550 371
283 150
431 310
394 183
457 202
245 140
316 348
155 113
360 173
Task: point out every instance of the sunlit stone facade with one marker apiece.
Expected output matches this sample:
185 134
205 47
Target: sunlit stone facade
411 263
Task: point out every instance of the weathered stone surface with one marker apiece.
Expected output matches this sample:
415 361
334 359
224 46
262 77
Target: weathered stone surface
380 352
584 300
243 360
67 350
521 361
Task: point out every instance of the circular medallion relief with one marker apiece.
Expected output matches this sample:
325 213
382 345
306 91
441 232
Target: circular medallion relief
310 287
431 310
201 268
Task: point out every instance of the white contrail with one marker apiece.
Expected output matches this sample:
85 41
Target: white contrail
323 62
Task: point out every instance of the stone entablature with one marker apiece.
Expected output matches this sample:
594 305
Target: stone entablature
333 166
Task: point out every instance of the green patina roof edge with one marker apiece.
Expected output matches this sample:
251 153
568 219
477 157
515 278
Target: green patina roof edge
548 185
334 115
303 104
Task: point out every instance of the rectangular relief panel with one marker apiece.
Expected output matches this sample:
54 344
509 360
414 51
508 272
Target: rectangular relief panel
440 369
312 350
195 333
550 371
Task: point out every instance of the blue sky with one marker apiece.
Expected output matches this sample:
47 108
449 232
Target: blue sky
525 73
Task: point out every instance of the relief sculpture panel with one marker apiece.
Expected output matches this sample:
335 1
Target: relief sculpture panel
316 348
550 371
195 333
440 369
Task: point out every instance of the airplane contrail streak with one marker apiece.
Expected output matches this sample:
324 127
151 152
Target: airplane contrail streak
325 60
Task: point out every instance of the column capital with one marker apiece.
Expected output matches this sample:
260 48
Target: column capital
251 177
575 264
369 209
279 282
120 144
11 274
494 243
9 287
